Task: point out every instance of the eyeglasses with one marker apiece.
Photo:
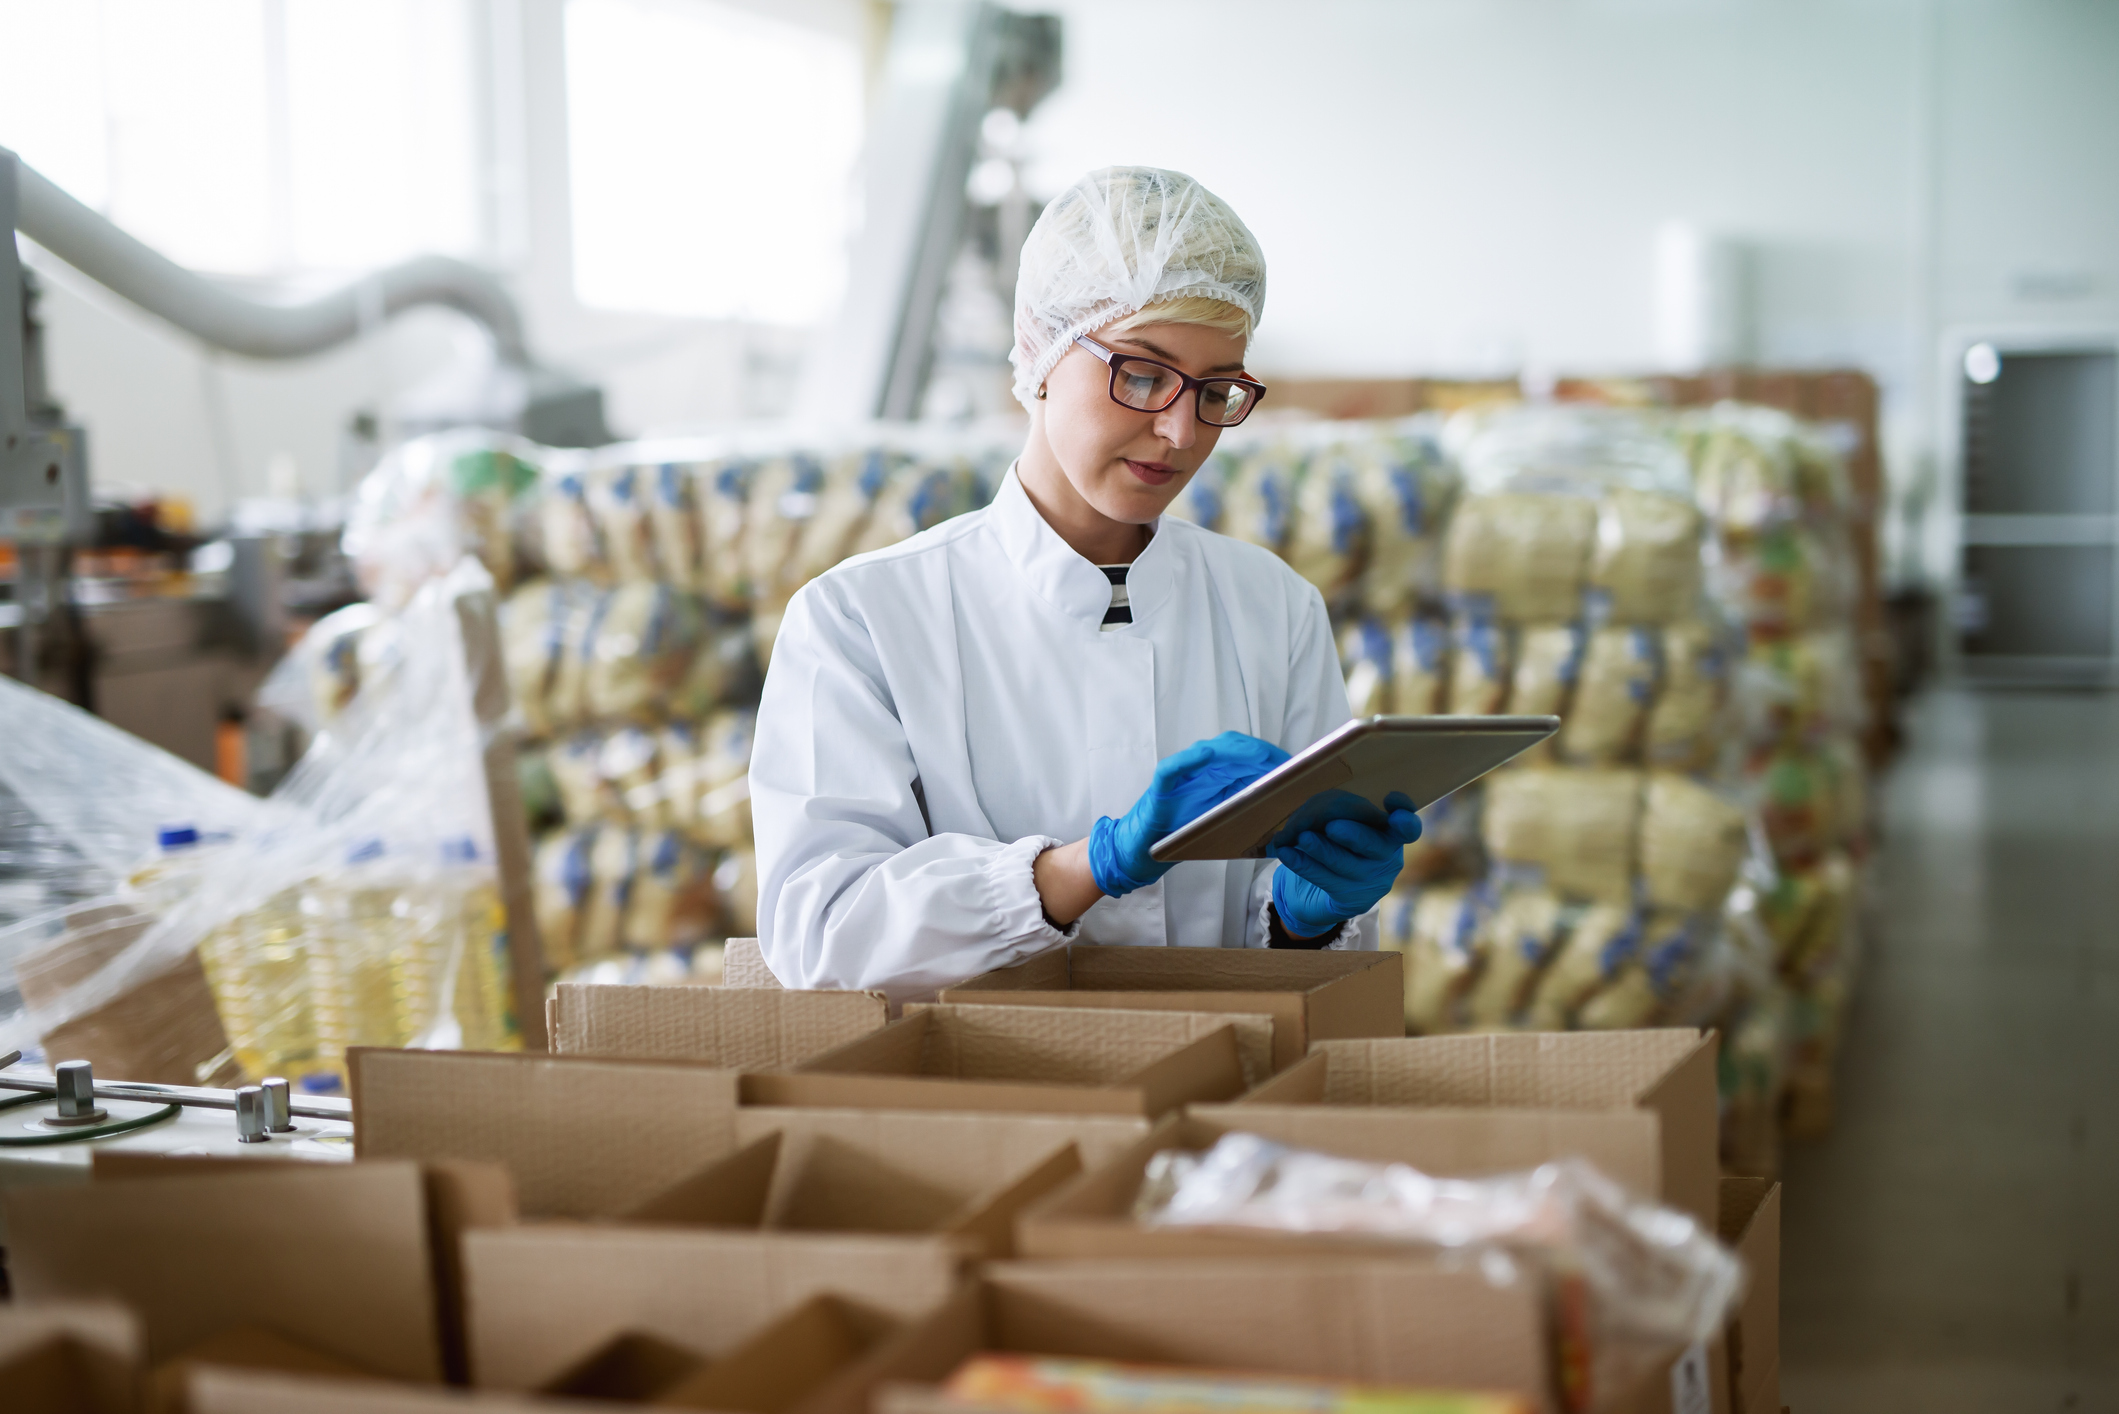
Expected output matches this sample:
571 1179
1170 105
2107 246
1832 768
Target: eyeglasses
1144 385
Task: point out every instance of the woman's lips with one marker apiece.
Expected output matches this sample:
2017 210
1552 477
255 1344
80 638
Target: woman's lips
1154 473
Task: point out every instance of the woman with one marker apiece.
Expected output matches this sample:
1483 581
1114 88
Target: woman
968 742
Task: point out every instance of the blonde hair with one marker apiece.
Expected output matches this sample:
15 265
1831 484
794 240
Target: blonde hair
1200 310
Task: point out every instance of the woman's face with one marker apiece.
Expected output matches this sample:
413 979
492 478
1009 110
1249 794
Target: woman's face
1130 465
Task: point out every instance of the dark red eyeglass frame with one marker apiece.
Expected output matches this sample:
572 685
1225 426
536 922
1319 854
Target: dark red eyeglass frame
1188 383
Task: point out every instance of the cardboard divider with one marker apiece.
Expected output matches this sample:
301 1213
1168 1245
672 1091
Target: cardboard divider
633 1369
1640 1105
582 1137
733 1027
69 1357
1034 1060
1309 996
743 965
333 1258
227 1391
544 1296
815 1360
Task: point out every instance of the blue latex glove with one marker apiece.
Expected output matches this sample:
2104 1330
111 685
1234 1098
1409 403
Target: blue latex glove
1187 784
1342 872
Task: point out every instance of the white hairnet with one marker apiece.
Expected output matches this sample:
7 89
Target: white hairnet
1115 242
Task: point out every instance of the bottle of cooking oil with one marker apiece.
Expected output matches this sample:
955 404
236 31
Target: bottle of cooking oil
471 948
356 976
258 965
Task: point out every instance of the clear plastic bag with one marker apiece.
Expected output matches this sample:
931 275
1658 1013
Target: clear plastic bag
1631 1283
358 905
436 499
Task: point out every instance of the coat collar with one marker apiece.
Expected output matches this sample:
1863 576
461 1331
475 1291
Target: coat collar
1073 585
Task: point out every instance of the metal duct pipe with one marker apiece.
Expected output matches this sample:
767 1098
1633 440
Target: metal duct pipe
91 244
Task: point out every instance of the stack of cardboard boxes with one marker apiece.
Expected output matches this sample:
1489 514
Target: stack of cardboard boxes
791 1203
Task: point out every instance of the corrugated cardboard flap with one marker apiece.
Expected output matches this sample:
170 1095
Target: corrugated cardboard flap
743 965
1751 1223
735 1027
69 1357
226 1391
583 1137
1563 1070
333 1257
544 1296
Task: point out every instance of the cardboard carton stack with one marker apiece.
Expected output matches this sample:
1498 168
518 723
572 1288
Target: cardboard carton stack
770 1201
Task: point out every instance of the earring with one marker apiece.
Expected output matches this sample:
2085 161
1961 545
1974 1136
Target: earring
1040 392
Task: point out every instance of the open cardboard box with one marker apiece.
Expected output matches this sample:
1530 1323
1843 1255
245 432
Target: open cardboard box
69 1357
813 1360
885 1208
340 1267
1640 1105
1310 996
1751 1223
1344 1318
1025 1060
583 1137
736 1028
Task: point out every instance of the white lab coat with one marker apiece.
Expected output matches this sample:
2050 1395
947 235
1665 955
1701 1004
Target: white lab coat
939 713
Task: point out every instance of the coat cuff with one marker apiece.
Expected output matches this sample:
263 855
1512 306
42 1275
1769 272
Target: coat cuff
1019 914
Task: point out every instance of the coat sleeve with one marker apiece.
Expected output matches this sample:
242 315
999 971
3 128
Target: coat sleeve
853 889
1316 704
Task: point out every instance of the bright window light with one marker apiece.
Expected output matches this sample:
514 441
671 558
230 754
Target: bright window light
253 137
712 159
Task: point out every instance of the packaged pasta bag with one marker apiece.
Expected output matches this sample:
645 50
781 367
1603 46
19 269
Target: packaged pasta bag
1578 825
1646 568
1684 724
618 498
1405 488
671 900
1259 503
614 858
1548 659
1328 536
576 764
562 882
538 623
1419 670
1365 656
1438 957
1450 846
914 496
1638 993
1519 556
1479 667
1600 941
736 887
1796 795
1693 842
568 533
1850 791
628 776
674 523
638 648
1620 669
845 496
723 773
725 669
783 500
1204 498
1516 940
677 787
489 485
721 490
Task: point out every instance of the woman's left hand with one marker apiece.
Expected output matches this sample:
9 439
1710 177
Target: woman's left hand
1342 871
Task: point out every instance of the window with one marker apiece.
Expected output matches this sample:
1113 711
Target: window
256 137
712 155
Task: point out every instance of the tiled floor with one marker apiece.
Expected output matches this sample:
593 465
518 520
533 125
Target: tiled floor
1954 1245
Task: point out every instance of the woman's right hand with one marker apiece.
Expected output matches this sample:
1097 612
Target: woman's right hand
1187 784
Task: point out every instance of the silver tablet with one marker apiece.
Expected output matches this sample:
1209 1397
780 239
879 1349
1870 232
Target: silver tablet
1349 774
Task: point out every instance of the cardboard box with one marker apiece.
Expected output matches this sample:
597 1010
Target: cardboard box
241 1348
1027 1060
545 1296
950 1175
743 965
69 1357
1751 1223
1640 1105
582 1137
731 1027
1349 1318
334 1258
816 1359
1311 996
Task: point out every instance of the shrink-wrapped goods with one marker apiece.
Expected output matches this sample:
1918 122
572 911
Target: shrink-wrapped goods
1419 666
1519 556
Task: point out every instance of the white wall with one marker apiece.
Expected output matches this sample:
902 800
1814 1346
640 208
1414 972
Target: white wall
1473 186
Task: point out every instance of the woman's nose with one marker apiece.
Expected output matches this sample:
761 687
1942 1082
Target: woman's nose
1178 424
